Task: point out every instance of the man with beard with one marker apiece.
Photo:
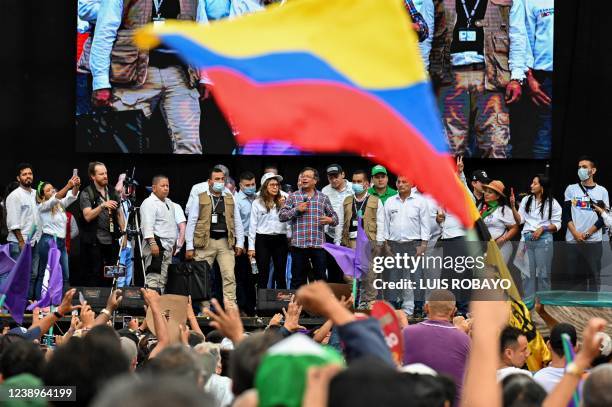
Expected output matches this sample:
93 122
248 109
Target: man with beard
21 210
101 224
21 216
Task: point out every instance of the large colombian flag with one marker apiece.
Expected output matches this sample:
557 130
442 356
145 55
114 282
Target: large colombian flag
327 76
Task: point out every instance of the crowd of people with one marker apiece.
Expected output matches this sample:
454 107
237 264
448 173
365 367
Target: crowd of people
254 235
482 58
447 360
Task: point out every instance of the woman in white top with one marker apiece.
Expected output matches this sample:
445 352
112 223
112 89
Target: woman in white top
52 221
541 215
267 234
605 215
498 217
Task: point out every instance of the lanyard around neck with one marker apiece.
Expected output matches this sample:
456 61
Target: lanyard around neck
158 4
469 15
216 203
359 210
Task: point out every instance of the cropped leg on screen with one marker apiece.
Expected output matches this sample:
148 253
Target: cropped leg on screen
180 107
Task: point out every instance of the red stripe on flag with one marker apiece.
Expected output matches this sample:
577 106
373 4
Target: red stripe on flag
324 116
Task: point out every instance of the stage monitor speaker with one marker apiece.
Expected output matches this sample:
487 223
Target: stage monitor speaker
132 302
271 301
96 297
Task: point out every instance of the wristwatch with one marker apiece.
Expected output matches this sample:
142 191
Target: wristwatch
106 312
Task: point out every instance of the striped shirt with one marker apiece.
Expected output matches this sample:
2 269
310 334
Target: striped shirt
306 228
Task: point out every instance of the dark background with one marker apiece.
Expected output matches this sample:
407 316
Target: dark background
37 121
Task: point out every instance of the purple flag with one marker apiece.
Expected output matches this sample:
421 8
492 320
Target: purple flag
51 293
353 262
14 291
6 261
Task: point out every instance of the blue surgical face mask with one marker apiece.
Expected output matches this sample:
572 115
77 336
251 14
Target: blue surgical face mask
358 188
249 190
583 174
218 186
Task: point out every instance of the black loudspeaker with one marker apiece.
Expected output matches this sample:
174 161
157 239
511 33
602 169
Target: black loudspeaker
132 302
270 301
96 297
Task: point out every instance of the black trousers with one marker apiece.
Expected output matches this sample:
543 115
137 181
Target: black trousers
301 262
245 283
584 266
94 257
271 248
334 272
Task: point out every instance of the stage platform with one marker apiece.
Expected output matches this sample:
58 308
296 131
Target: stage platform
576 308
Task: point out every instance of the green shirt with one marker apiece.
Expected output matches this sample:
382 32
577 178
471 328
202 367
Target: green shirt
389 192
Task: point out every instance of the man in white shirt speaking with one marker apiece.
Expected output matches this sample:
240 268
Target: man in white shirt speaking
159 232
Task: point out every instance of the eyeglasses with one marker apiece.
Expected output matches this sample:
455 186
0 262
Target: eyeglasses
275 185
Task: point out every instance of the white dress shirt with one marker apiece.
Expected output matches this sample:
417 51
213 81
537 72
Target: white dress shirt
21 213
54 224
406 220
264 222
540 23
194 214
434 228
157 219
179 216
533 220
337 200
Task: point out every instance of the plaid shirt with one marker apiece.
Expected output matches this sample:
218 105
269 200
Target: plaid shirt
417 18
305 227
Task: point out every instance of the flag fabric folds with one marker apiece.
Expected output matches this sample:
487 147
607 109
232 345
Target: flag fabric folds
326 76
6 261
51 293
353 262
14 290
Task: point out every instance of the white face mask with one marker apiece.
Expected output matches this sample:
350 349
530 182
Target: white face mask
218 186
584 174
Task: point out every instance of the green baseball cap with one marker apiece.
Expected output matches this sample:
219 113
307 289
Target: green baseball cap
379 169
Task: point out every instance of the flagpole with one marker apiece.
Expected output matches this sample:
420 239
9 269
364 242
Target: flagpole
569 358
354 292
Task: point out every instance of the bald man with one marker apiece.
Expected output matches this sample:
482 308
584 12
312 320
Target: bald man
596 390
159 232
436 342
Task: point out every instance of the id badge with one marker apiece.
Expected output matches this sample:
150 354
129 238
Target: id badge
352 235
355 222
158 22
214 218
467 35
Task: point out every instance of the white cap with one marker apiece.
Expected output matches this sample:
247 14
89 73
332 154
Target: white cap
418 368
269 175
606 344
